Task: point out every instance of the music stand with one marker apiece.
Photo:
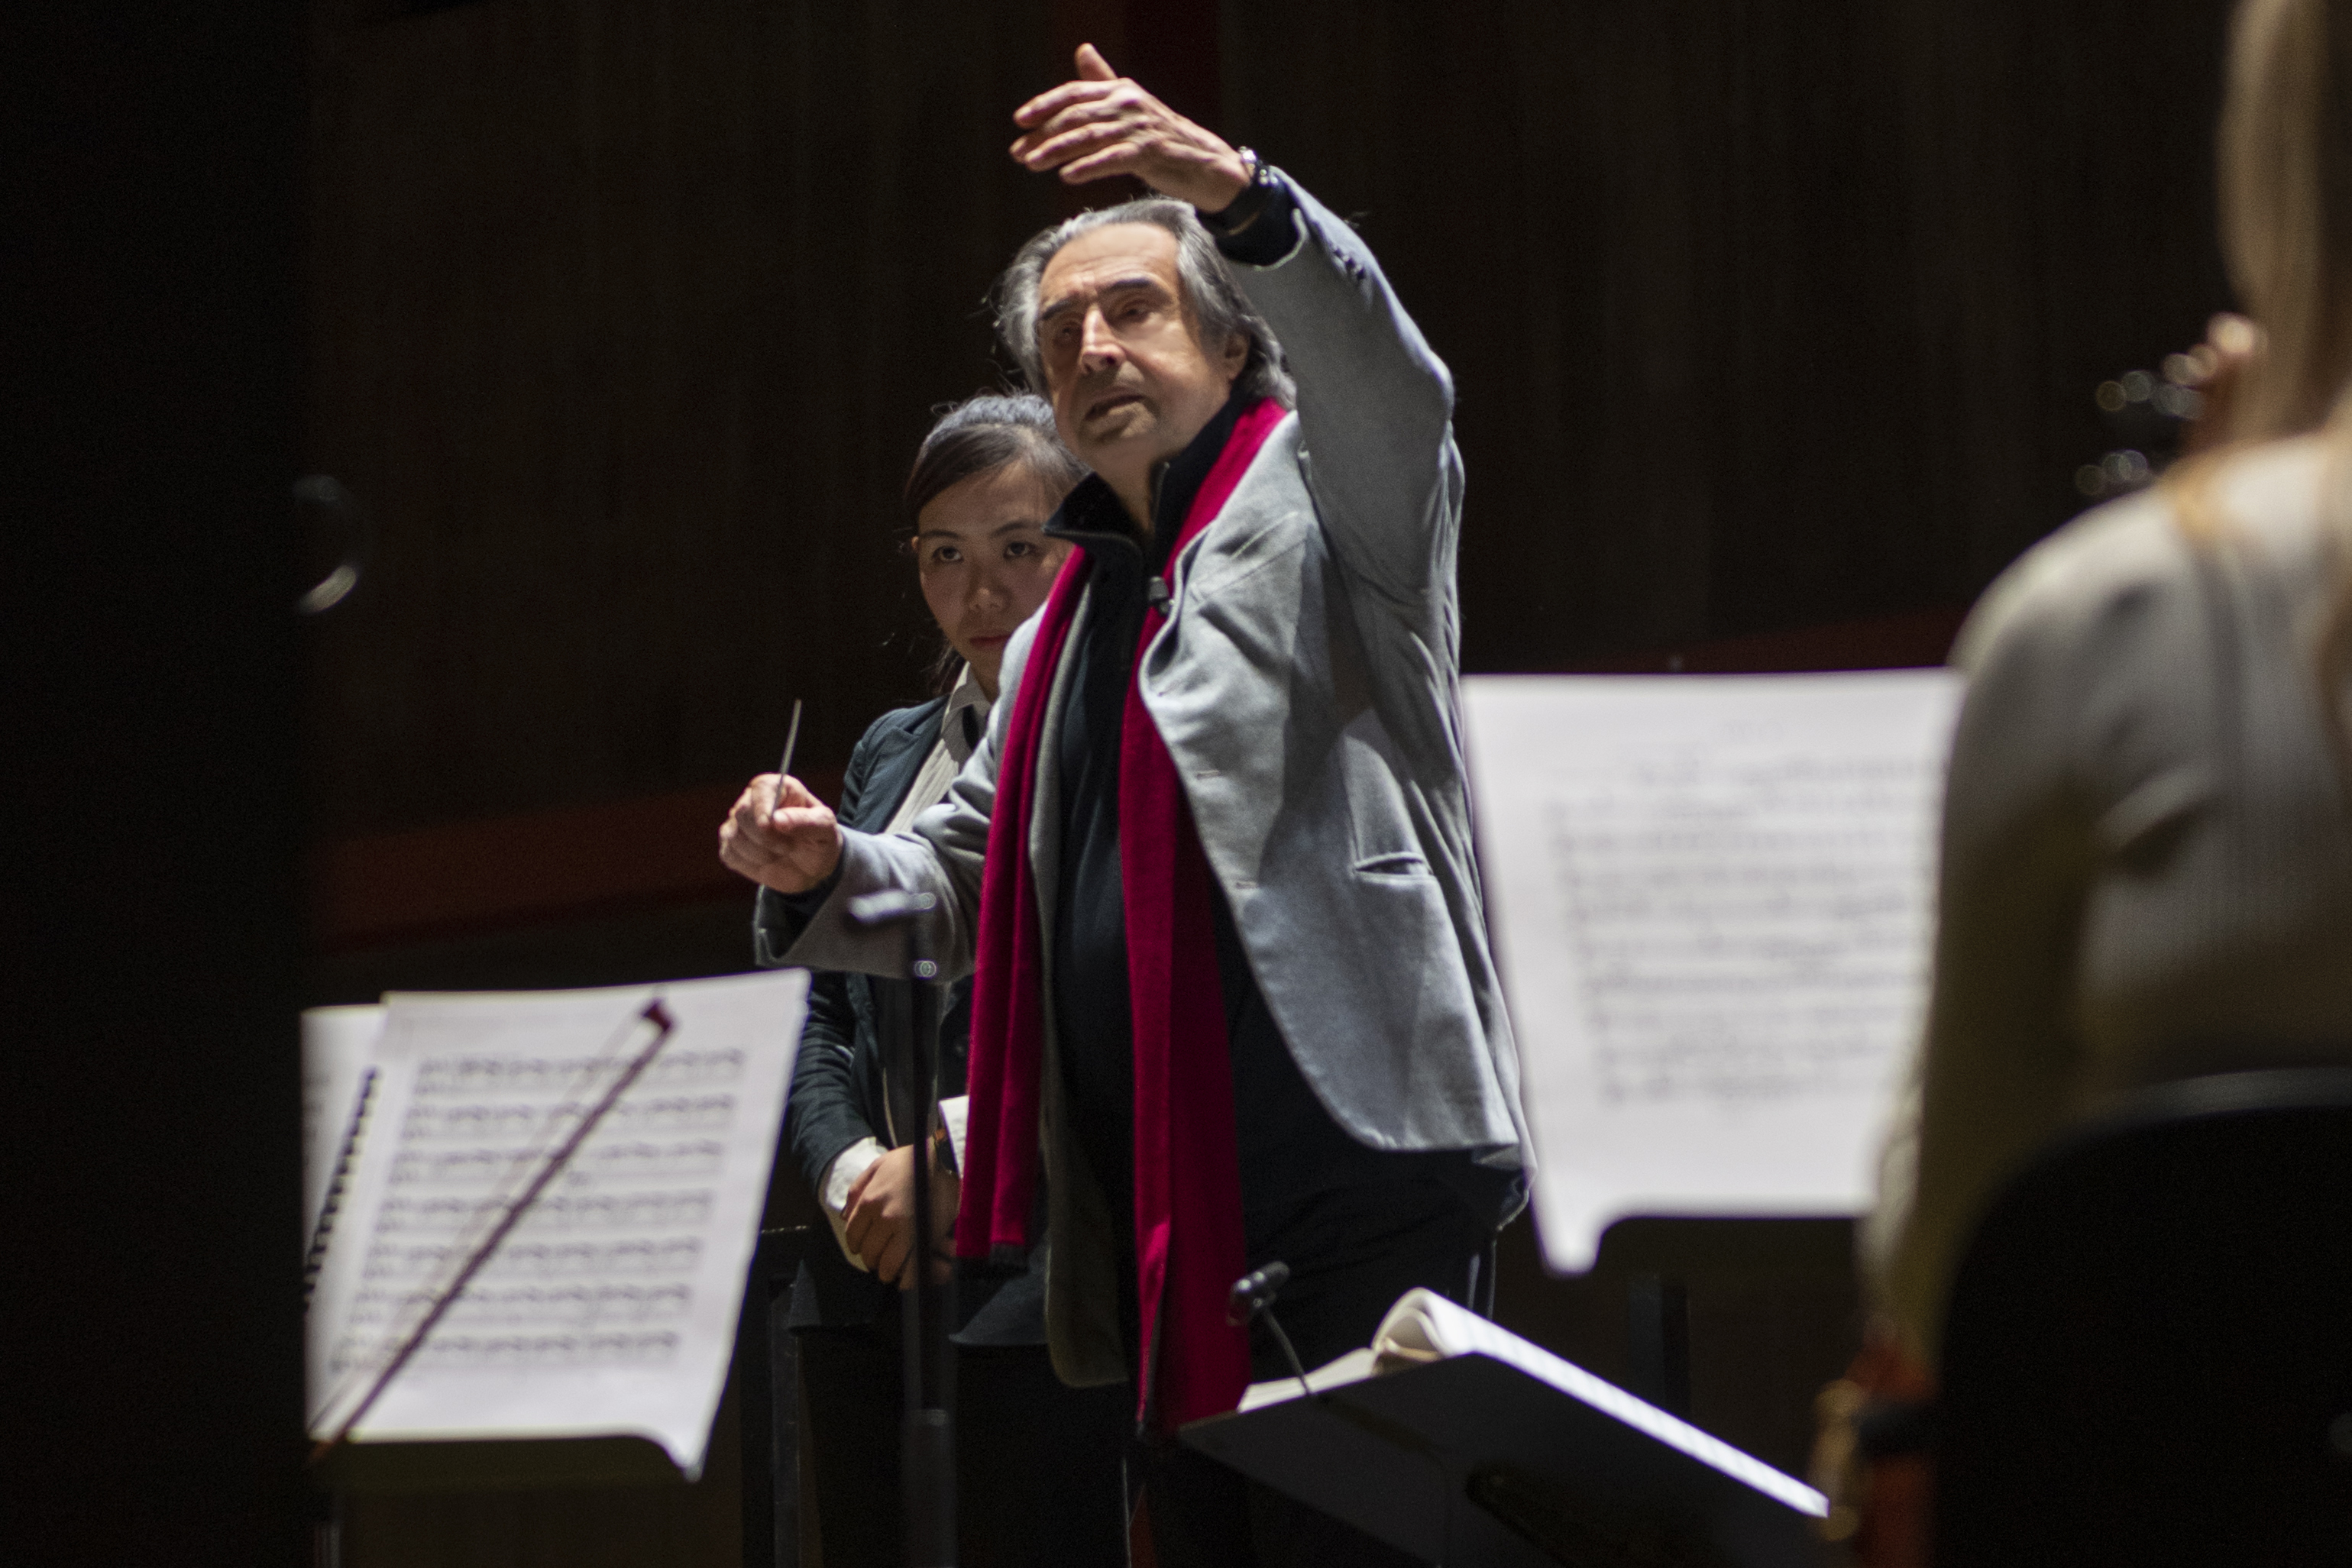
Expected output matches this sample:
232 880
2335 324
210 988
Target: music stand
926 1463
1475 1463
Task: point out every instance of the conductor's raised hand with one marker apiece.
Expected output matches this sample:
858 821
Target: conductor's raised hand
1103 124
780 835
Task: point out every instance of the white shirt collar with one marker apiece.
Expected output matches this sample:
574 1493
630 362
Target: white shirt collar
967 697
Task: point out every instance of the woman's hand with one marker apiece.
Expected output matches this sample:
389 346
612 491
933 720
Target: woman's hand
780 835
880 1223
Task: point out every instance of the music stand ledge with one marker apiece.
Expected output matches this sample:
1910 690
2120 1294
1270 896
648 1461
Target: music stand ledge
472 1465
1472 1463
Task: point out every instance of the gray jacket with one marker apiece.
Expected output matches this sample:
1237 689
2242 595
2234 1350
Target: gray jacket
1305 685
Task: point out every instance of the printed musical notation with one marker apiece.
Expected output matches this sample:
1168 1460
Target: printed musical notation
535 1258
535 1308
479 1076
554 1211
478 1126
1749 926
628 1266
635 1160
506 1353
436 1119
1713 902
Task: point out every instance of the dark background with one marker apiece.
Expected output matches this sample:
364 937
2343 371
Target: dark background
1766 316
627 316
150 843
1774 323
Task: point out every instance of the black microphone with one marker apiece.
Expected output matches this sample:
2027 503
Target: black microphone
1255 1292
1252 1296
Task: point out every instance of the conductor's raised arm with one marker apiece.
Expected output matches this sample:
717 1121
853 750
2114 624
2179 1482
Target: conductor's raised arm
1375 404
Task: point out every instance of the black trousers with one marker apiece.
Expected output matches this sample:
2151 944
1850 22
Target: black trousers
1038 1464
1352 1254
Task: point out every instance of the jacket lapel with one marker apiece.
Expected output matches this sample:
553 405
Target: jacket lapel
893 772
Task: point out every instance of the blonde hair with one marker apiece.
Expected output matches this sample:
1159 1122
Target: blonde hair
2286 166
2287 206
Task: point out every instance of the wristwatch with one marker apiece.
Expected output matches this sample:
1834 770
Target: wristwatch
1243 209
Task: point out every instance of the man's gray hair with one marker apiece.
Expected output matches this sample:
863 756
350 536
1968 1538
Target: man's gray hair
1219 308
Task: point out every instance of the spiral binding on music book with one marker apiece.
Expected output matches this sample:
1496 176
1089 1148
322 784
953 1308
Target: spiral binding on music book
324 1231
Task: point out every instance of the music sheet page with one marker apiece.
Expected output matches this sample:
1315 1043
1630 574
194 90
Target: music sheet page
1712 899
611 1307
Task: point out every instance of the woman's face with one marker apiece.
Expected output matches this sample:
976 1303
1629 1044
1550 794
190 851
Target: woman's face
985 561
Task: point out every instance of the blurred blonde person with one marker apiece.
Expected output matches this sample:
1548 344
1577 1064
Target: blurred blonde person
2147 853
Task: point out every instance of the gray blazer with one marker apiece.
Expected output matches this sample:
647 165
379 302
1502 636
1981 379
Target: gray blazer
1306 683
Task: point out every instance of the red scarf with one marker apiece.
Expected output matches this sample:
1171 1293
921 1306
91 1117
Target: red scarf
1188 1215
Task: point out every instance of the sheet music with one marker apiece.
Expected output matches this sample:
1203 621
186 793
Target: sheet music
336 1044
611 1308
1712 905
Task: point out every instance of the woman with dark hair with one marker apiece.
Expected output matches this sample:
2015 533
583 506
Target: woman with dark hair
1038 1464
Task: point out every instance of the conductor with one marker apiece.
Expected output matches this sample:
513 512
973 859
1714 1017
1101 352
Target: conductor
1211 863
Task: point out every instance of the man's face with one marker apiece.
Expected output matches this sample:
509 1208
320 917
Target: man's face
1129 382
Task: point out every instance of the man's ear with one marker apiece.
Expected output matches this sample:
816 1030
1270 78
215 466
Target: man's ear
1236 355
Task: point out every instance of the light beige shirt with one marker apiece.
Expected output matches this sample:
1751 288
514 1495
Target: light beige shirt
2146 855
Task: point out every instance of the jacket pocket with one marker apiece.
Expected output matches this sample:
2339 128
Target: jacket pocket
1403 862
1214 572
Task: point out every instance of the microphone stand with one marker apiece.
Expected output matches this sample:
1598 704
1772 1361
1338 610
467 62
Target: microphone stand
926 1440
